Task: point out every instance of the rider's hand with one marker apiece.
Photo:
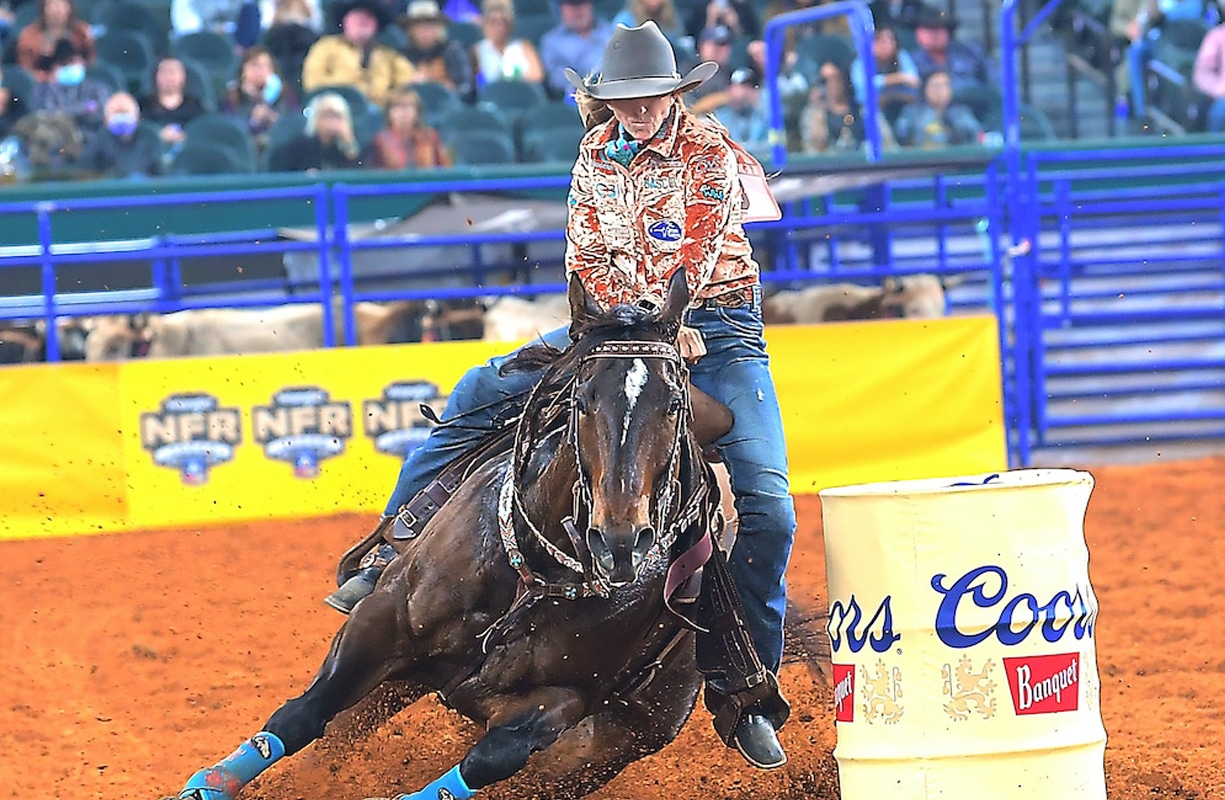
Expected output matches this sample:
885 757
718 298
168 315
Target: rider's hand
689 343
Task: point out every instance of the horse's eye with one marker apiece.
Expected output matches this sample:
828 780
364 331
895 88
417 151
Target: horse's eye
675 405
580 404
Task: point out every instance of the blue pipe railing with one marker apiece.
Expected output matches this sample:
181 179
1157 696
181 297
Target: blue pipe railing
862 32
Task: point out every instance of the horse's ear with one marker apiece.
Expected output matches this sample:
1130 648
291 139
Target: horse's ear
677 299
582 307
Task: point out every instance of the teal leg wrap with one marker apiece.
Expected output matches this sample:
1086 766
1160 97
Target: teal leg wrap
449 786
225 780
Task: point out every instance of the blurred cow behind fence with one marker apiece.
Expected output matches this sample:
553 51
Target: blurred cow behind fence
228 331
909 297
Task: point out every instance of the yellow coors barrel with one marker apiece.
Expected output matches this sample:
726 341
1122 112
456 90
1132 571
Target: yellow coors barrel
961 625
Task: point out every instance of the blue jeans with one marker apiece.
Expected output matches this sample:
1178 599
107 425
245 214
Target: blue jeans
1139 53
735 371
1216 116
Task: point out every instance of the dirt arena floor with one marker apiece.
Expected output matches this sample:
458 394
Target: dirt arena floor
128 661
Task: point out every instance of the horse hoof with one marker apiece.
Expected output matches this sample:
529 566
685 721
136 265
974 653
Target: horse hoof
757 741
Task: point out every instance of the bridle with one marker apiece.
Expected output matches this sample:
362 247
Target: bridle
669 521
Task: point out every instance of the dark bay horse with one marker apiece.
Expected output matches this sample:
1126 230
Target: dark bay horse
534 601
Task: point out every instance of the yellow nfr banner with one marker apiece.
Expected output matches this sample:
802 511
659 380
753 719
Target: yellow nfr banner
183 442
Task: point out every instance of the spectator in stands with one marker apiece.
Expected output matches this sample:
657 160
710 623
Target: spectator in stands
1209 75
501 56
67 90
936 121
193 16
738 16
661 12
939 51
7 18
11 107
407 142
39 42
745 114
293 26
832 120
118 151
714 44
1139 22
170 106
307 13
895 13
434 56
897 78
354 58
577 42
327 143
258 95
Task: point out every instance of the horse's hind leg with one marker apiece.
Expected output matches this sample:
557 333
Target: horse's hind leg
527 724
362 656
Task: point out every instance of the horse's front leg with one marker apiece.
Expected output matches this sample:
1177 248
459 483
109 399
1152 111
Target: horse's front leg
367 651
525 725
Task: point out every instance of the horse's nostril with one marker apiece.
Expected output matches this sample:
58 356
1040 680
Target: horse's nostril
599 549
645 540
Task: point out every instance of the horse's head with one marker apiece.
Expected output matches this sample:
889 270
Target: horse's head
629 412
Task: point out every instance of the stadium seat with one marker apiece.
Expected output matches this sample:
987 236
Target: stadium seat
556 115
213 51
476 146
226 131
130 52
200 84
817 48
1034 123
287 126
980 98
466 33
558 145
514 100
130 16
438 101
533 7
474 118
535 25
20 84
106 74
204 158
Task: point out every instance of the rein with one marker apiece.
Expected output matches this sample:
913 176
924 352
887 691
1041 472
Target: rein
670 521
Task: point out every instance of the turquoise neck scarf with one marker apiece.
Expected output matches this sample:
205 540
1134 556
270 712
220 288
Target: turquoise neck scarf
622 149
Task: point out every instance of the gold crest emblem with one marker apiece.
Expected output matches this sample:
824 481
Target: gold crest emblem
969 691
882 694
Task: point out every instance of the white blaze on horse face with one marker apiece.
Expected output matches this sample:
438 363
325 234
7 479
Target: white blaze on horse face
635 379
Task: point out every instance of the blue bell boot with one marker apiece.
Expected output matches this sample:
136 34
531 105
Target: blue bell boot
225 780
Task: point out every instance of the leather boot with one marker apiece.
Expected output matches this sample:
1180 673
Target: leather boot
363 581
757 741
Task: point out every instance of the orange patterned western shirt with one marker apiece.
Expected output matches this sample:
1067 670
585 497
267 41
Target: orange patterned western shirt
678 204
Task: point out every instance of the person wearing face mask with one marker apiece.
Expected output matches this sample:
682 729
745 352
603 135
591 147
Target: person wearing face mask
656 190
67 91
258 95
119 151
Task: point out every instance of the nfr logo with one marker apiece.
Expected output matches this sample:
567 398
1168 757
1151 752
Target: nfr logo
191 433
394 421
303 427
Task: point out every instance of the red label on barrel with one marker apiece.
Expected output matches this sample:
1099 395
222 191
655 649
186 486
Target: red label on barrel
844 692
1044 684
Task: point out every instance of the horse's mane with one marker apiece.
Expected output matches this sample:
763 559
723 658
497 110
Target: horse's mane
596 327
